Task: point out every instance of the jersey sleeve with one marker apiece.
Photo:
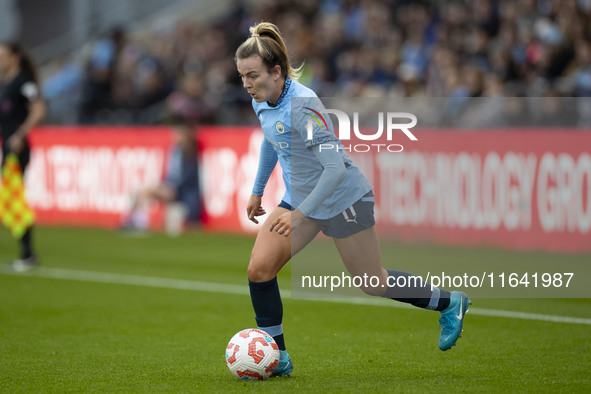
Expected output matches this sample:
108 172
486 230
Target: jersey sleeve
267 161
316 130
333 173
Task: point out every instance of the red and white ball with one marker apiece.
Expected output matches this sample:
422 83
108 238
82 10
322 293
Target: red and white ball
252 354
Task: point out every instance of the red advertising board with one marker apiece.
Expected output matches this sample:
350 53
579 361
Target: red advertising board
87 175
229 161
513 189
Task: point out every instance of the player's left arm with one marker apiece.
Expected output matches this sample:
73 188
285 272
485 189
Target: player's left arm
333 173
324 145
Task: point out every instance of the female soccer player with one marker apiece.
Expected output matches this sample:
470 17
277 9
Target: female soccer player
327 190
21 109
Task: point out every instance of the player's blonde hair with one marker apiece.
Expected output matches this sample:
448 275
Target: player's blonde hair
265 40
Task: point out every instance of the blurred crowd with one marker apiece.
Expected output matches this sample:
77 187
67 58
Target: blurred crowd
350 48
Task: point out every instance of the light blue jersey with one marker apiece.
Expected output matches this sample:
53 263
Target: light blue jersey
285 127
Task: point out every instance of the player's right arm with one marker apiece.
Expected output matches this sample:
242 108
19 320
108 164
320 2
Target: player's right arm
267 162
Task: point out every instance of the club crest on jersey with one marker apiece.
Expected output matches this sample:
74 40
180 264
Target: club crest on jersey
279 127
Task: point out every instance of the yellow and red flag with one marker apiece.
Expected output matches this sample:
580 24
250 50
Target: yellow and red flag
14 210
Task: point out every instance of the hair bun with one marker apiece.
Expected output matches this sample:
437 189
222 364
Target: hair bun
272 49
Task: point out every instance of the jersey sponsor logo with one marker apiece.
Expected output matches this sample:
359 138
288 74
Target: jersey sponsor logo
278 144
279 127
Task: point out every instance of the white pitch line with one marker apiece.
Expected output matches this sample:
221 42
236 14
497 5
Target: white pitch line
181 284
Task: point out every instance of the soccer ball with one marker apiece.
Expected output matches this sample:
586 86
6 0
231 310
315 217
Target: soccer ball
252 354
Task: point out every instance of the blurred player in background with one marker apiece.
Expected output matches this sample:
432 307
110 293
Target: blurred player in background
180 184
21 109
335 191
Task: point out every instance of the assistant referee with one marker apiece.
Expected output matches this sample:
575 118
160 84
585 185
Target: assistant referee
21 109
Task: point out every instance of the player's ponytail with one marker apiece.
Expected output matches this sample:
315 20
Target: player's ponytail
27 66
266 41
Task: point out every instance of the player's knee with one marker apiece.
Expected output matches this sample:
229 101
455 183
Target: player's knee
258 271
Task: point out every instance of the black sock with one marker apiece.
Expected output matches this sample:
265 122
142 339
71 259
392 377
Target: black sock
26 248
413 291
268 308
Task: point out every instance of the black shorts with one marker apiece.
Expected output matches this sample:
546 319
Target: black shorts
356 218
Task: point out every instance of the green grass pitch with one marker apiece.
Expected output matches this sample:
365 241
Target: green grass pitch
85 323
